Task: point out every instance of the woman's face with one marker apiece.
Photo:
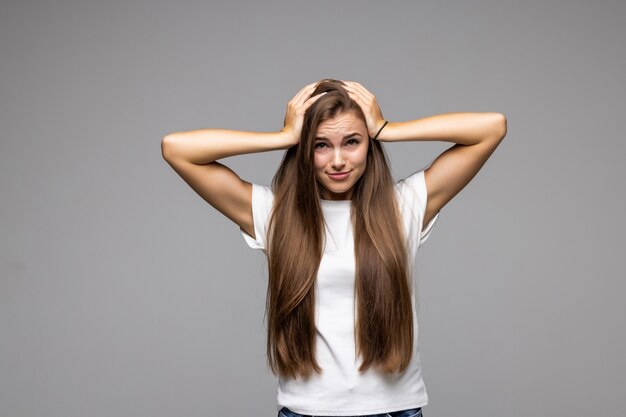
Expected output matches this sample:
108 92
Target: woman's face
341 146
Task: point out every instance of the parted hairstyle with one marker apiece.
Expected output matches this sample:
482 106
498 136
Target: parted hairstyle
296 234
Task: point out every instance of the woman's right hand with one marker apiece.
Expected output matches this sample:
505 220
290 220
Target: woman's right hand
295 112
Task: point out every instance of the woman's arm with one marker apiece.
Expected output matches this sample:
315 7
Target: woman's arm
461 128
194 154
476 137
207 145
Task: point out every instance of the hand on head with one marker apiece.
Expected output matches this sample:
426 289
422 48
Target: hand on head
296 108
298 105
367 101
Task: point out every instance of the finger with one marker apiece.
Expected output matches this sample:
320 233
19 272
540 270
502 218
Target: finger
313 99
304 91
362 90
354 96
359 100
358 97
359 85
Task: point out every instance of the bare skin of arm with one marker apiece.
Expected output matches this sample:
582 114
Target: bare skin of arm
476 136
194 156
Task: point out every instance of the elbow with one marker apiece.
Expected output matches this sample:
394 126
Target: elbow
496 128
501 125
166 146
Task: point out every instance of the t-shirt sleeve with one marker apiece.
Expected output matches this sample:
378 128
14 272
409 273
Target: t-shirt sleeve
262 199
416 194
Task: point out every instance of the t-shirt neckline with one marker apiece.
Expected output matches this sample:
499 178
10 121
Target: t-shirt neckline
335 202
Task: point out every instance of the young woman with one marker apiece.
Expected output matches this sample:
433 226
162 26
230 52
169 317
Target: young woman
340 237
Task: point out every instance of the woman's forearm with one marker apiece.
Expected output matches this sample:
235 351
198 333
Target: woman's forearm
204 146
463 128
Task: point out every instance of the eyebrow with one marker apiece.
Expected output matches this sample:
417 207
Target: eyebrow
345 137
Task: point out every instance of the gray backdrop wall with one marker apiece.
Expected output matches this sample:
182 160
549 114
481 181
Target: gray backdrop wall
123 293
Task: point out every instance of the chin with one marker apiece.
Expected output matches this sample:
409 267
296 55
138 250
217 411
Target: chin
338 190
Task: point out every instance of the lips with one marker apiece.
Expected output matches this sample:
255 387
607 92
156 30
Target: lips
339 176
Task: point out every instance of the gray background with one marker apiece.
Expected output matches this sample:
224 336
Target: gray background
123 293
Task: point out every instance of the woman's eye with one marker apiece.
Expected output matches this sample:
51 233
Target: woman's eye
320 145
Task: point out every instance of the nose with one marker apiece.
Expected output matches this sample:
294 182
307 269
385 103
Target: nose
338 160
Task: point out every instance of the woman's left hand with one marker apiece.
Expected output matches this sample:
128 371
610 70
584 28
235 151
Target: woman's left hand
373 116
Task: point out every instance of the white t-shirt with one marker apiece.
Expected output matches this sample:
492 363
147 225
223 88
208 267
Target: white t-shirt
340 390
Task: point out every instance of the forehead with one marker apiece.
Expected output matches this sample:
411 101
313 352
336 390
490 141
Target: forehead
341 124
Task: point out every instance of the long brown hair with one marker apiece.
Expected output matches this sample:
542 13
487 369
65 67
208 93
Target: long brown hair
296 232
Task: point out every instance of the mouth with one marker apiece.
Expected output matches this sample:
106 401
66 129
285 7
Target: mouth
339 175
